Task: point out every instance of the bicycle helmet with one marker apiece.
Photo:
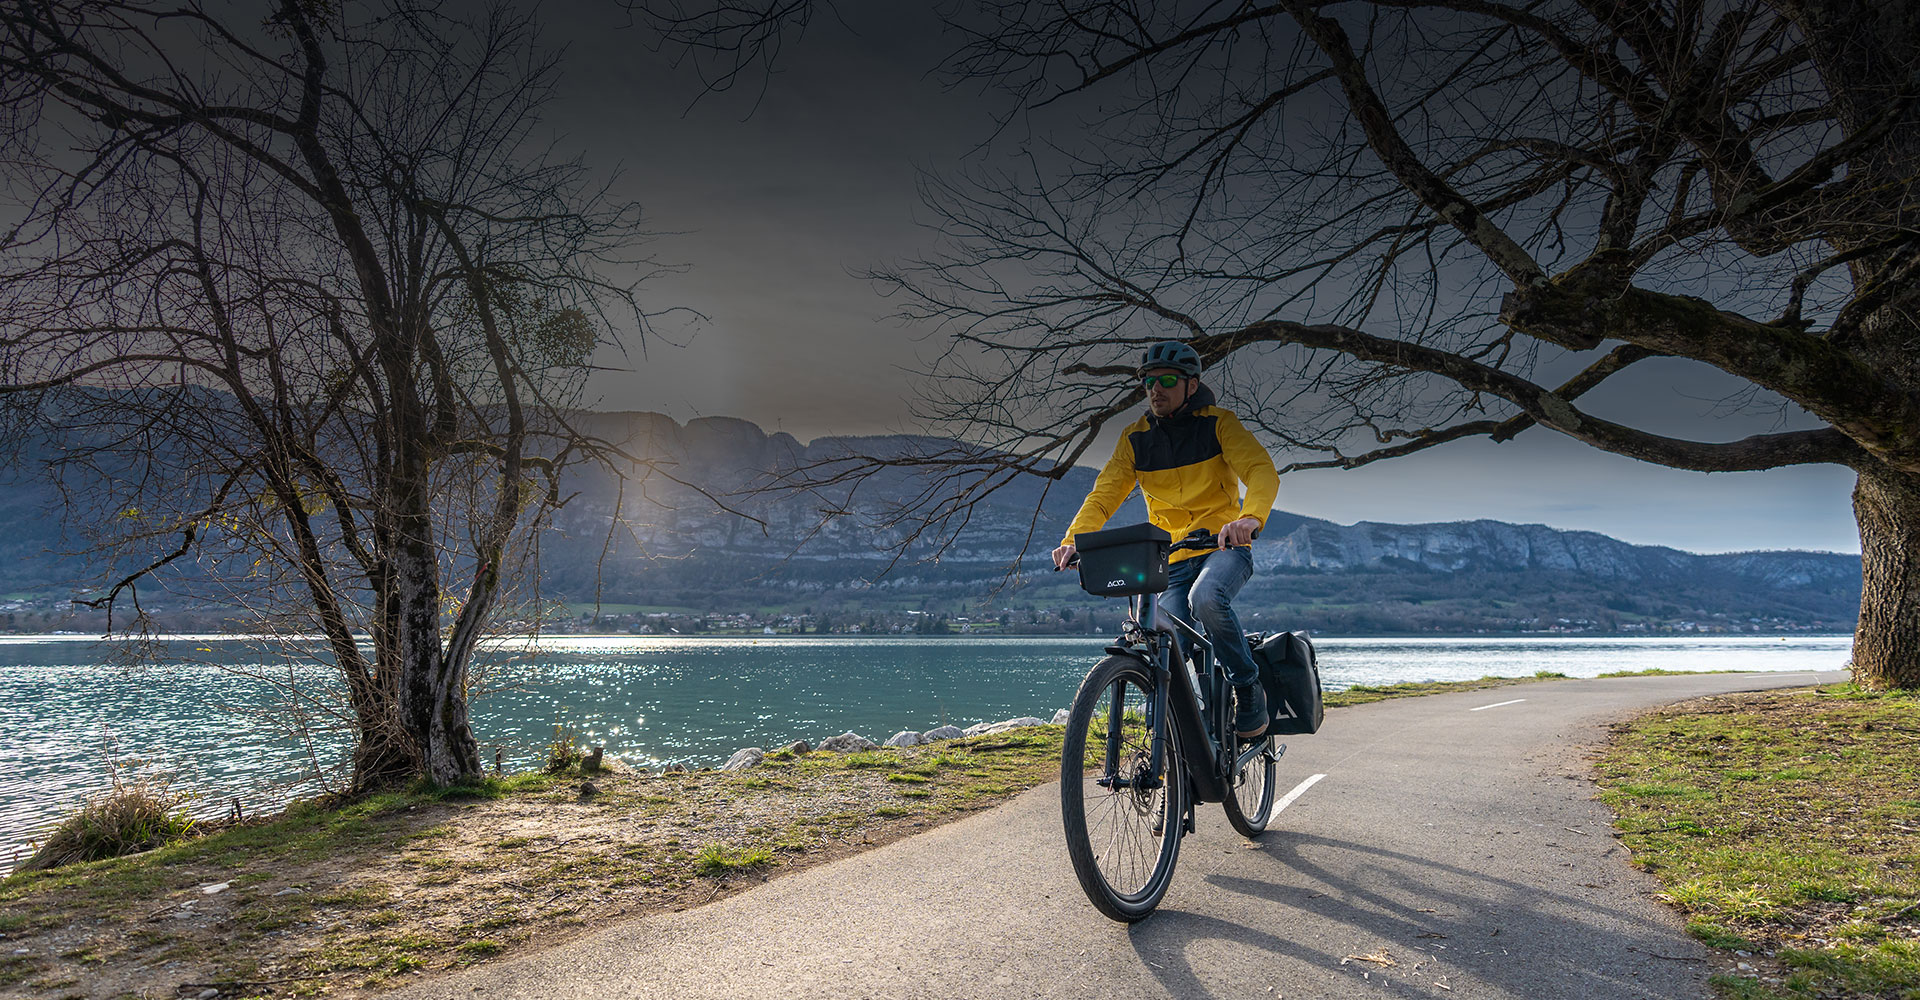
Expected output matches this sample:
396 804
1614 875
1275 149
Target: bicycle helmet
1171 354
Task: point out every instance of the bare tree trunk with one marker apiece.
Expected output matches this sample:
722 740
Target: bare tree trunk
382 753
1886 643
432 702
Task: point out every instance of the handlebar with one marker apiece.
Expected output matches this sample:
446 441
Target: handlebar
1198 538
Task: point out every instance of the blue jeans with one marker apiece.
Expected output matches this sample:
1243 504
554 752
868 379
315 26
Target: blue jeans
1200 590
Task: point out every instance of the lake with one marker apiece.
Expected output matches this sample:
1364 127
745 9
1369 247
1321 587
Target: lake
216 719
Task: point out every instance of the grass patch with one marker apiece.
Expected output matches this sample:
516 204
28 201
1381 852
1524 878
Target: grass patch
565 751
719 859
1785 824
15 969
1661 672
473 951
485 788
136 814
1715 936
1656 790
1361 694
870 758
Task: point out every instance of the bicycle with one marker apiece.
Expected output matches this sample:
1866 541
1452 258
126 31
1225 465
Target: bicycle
1161 731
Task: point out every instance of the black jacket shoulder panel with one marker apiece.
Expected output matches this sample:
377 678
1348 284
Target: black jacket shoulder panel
1175 442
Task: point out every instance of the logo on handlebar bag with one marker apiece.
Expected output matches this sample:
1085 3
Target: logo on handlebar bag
1116 583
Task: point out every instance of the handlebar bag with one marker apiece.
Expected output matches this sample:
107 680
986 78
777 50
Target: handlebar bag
1122 561
1291 675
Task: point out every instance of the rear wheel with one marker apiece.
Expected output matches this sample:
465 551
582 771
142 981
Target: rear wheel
1251 803
1123 820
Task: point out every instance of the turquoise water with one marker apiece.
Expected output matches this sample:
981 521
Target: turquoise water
217 718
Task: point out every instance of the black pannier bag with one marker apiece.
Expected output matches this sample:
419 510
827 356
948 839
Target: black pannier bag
1291 677
1121 561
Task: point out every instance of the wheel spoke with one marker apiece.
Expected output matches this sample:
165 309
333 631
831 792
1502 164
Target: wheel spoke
1121 834
1251 803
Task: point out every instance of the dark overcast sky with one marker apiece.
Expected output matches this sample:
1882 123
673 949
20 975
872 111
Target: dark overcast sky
777 206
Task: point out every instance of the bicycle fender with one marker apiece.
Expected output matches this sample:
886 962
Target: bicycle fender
1135 654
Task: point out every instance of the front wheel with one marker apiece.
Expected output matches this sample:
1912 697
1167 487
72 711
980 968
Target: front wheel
1123 816
1251 804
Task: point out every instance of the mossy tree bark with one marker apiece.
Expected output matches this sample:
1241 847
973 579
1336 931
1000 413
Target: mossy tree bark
1886 644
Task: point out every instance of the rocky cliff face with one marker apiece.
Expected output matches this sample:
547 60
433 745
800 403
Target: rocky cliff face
708 515
1470 545
665 518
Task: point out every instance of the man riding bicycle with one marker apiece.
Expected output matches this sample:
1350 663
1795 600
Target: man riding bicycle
1189 458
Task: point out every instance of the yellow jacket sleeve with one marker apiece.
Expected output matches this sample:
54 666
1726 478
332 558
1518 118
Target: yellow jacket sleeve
1252 464
1110 489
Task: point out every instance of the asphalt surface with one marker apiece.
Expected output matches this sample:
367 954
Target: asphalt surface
1452 849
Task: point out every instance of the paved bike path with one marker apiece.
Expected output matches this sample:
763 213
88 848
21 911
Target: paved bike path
1452 849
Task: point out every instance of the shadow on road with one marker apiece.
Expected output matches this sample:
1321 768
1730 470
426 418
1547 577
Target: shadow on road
1411 923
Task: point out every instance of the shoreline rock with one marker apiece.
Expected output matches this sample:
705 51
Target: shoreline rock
851 742
987 728
744 758
846 743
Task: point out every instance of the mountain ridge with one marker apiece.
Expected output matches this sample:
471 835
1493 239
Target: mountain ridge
836 542
697 527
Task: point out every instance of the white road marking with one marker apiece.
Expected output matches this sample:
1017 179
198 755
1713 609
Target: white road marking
1298 790
1497 704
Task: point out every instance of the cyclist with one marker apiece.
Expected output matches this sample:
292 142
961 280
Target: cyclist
1189 458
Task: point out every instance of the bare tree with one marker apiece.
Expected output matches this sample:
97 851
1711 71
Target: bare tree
303 296
1410 222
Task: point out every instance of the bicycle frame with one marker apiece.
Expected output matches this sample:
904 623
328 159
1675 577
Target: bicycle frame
1203 740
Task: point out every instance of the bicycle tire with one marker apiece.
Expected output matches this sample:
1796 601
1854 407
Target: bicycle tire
1123 863
1250 805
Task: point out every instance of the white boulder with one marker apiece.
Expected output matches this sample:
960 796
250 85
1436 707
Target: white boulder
845 743
744 758
986 728
943 733
905 738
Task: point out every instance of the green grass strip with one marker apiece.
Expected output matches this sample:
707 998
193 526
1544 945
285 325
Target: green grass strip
1787 826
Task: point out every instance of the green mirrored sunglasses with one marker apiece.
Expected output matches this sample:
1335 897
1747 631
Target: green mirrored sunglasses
1164 381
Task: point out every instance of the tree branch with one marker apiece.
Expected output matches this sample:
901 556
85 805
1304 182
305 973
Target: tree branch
1549 409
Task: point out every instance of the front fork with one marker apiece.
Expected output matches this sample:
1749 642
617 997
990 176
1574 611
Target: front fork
1156 717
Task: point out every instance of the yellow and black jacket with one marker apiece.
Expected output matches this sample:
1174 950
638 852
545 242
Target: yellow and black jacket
1189 465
